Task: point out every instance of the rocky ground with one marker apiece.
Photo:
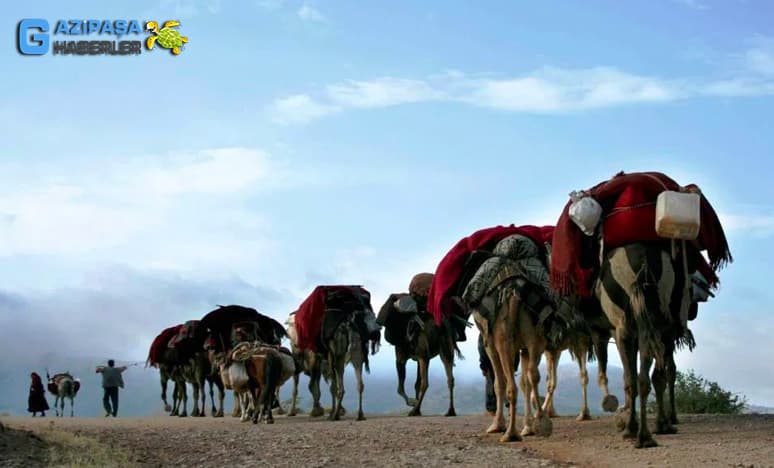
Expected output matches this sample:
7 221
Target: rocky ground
380 441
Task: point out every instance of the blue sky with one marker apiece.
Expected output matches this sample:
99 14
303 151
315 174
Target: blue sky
293 143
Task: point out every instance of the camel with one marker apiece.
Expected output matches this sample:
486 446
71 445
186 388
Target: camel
585 344
414 334
517 316
642 291
309 362
63 386
346 326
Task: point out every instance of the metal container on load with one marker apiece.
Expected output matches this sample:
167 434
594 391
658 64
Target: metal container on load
678 215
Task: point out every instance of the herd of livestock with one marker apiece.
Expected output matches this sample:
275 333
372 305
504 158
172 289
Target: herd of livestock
628 259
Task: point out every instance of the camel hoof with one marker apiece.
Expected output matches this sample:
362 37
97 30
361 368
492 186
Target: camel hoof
415 412
411 402
527 431
610 403
645 442
546 426
316 412
450 412
167 408
584 416
269 421
621 420
182 415
552 414
510 438
496 428
219 414
360 416
665 428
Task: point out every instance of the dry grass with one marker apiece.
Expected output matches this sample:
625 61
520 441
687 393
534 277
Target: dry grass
76 451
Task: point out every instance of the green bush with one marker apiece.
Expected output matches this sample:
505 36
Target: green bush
696 395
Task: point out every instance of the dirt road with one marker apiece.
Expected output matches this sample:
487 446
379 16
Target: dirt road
400 441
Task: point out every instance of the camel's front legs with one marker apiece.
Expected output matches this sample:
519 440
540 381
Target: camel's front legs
422 367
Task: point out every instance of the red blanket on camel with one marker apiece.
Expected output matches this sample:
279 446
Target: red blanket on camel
311 312
451 267
628 208
159 345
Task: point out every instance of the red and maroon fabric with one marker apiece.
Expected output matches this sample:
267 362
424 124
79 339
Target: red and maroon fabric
628 206
451 266
311 312
160 344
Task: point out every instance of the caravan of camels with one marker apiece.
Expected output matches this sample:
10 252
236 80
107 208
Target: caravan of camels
628 259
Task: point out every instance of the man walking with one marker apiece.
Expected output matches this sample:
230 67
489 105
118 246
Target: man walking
111 381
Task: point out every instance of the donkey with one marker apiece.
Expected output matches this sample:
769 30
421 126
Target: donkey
63 386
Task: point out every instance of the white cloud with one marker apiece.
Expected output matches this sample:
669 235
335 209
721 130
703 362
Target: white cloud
381 92
760 224
548 90
299 109
309 13
559 90
177 210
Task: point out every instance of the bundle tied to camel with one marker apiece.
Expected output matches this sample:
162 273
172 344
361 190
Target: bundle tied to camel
517 267
628 215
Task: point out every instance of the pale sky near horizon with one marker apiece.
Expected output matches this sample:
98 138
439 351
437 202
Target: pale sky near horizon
294 143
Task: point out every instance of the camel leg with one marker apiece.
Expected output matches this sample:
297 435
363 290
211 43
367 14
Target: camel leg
72 407
552 362
671 375
627 418
422 366
507 351
314 389
527 393
360 388
221 396
183 400
498 422
400 366
280 409
448 366
294 396
609 402
237 411
663 425
338 395
164 381
644 437
584 415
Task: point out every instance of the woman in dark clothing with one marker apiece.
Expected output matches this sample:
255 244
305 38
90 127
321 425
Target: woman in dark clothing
37 401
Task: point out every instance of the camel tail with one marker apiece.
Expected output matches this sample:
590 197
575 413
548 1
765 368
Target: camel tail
641 295
458 353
